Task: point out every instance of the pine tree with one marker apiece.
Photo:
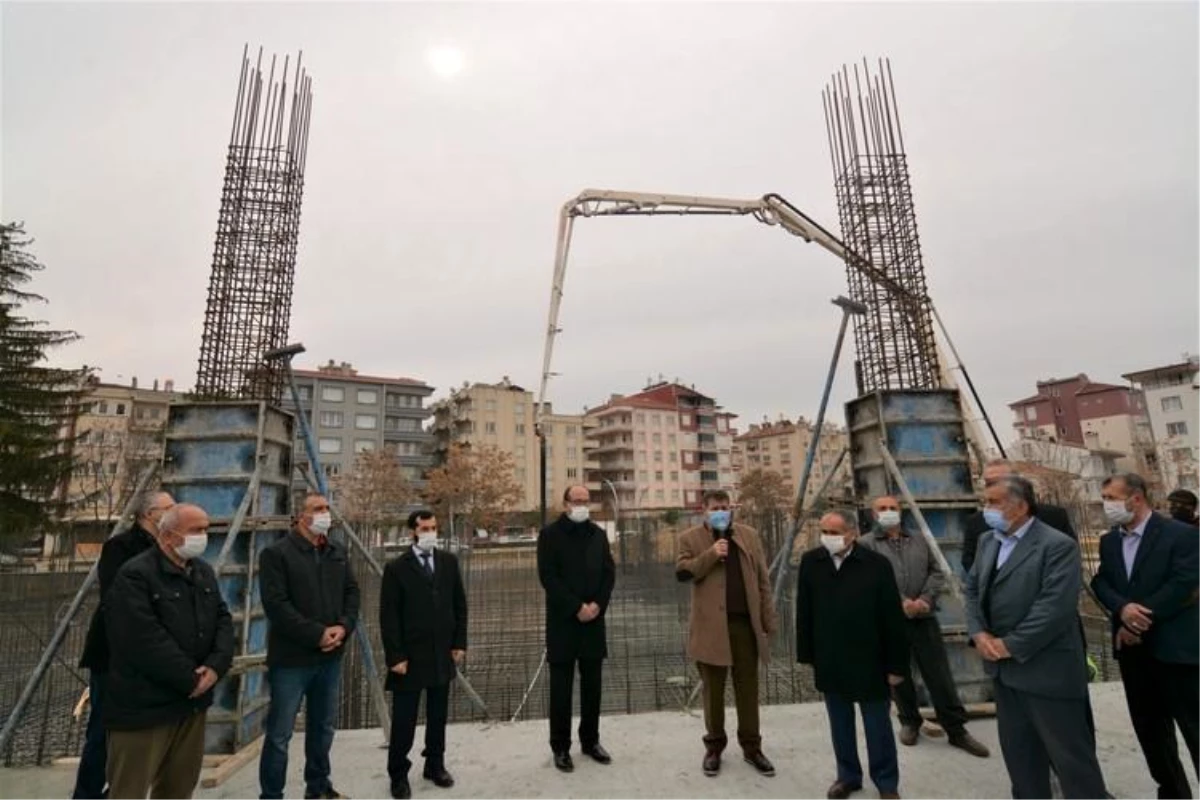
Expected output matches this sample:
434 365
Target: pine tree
37 402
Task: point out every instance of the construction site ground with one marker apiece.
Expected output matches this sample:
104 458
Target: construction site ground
657 755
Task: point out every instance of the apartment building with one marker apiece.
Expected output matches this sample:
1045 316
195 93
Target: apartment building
1098 416
1172 394
782 447
351 413
117 434
503 415
661 448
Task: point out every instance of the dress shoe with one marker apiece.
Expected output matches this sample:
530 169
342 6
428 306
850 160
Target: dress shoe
760 763
440 777
563 762
840 791
712 763
909 735
967 742
401 790
598 753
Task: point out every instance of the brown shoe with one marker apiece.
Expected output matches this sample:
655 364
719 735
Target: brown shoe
712 763
760 763
909 735
840 791
967 742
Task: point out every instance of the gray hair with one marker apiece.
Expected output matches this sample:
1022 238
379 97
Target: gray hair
1018 488
147 502
849 518
170 519
1135 483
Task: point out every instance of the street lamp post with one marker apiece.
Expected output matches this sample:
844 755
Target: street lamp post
616 518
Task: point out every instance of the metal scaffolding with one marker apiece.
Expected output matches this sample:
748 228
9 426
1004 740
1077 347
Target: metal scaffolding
254 259
895 339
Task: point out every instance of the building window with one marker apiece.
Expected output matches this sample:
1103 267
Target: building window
332 419
673 457
657 438
641 437
154 412
1030 413
366 422
305 392
521 474
572 431
674 495
333 394
489 405
658 455
674 476
412 473
639 419
656 421
120 409
1173 403
685 420
658 495
1176 429
489 427
1181 454
658 476
641 456
547 428
572 453
671 439
572 472
329 446
643 475
520 428
363 445
367 397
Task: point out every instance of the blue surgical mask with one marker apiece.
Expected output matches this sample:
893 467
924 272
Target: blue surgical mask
719 520
995 520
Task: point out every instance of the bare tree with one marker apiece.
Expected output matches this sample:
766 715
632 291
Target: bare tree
375 495
764 500
476 483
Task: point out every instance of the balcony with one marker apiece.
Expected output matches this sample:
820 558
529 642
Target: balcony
613 447
625 464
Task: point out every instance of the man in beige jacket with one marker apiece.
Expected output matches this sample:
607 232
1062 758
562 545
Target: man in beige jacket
732 618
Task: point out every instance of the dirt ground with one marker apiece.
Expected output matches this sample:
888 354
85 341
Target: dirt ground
658 755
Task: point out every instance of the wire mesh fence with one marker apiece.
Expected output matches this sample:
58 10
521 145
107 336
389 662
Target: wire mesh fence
647 668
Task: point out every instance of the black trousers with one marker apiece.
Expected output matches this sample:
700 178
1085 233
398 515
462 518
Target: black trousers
404 729
562 686
929 655
1161 696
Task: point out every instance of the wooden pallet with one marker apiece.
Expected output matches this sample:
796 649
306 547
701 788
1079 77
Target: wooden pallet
226 765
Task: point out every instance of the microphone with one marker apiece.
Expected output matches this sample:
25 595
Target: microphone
725 536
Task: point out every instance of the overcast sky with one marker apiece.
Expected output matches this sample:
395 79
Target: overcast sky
1053 151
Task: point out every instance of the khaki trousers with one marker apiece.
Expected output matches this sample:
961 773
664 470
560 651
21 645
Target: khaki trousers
163 762
744 645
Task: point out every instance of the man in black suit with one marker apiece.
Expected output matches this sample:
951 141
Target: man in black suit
1054 516
1148 581
423 622
1182 505
90 781
850 627
575 566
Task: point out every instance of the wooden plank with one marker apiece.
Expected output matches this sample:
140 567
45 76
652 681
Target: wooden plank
232 764
974 710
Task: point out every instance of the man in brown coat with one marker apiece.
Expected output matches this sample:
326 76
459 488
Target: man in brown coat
732 618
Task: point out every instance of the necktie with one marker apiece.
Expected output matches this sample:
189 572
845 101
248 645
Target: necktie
428 562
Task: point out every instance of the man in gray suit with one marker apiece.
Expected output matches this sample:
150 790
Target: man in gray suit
1021 599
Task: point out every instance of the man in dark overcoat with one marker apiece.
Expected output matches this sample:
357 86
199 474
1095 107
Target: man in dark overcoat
576 568
850 627
423 621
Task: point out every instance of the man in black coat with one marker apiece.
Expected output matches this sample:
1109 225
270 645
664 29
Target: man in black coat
1054 516
311 600
423 622
576 568
1148 582
850 627
171 640
89 780
1181 504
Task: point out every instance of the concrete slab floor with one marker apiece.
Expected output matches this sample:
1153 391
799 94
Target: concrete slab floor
658 756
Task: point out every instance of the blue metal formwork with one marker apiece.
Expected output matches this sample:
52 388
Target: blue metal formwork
212 452
924 432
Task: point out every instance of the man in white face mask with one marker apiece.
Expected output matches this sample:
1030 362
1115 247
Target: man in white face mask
921 581
423 624
311 599
576 568
1148 581
171 639
850 627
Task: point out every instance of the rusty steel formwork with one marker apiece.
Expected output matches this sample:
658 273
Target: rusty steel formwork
894 340
254 259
